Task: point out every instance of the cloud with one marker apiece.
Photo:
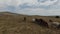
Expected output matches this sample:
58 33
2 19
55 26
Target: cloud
31 11
32 7
30 3
11 8
38 11
47 4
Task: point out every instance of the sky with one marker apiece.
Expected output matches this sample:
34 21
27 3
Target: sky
31 7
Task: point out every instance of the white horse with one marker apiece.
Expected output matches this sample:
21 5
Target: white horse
33 19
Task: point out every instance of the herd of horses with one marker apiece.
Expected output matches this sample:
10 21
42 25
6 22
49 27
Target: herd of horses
43 23
40 22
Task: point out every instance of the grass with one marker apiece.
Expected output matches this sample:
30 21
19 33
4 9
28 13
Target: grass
14 24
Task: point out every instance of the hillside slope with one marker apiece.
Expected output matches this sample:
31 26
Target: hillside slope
11 23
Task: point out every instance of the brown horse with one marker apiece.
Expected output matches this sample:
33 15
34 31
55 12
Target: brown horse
24 19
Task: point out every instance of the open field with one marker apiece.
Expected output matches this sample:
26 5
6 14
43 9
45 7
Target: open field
13 24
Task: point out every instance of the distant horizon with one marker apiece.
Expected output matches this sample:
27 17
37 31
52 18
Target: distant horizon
29 14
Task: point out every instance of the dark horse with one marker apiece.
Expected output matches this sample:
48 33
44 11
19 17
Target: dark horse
24 19
41 22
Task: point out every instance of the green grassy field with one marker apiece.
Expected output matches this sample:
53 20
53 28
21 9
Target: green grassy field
13 24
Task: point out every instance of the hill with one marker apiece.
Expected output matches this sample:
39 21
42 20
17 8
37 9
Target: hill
11 23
